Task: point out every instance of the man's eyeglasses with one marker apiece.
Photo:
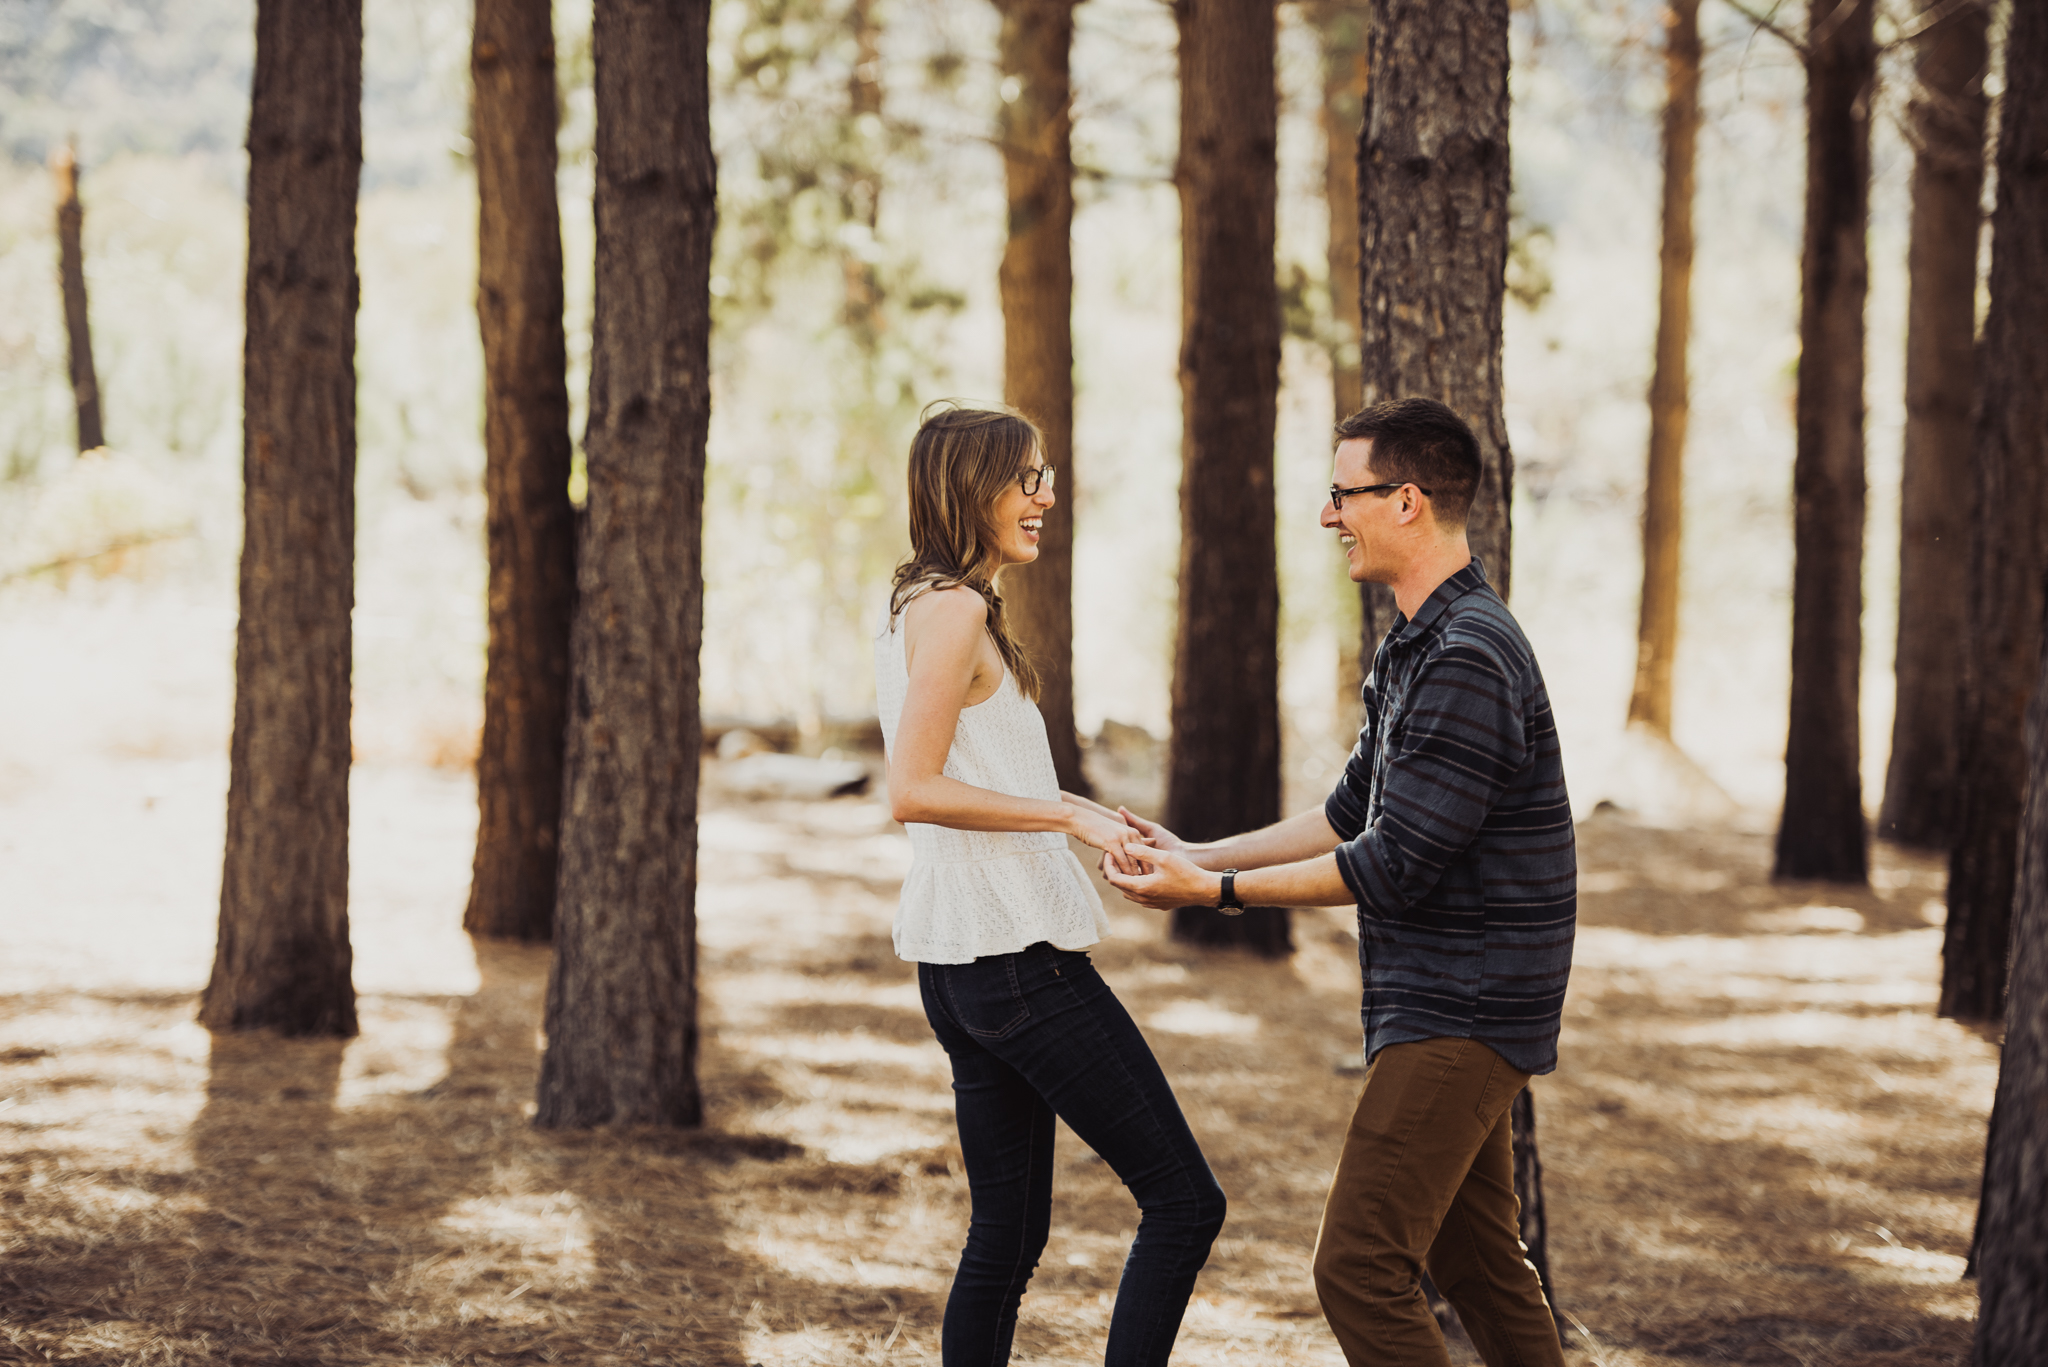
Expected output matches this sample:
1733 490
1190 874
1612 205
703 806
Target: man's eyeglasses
1337 496
1032 476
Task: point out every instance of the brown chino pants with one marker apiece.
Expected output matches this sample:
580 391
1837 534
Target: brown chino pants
1427 1180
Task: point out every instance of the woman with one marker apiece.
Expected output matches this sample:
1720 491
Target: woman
998 914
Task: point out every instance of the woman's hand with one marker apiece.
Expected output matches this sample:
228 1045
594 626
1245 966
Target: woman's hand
1166 880
1156 835
1116 840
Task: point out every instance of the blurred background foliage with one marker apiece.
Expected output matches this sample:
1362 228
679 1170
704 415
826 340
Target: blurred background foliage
861 220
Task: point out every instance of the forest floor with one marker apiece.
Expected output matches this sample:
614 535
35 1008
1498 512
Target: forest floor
1761 1147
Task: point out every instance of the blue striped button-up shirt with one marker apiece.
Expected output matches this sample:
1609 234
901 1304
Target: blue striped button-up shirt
1458 834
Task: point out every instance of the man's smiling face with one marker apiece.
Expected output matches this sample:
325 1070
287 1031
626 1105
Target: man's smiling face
1360 523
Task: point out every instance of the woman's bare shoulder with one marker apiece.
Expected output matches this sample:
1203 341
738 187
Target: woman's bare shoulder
951 609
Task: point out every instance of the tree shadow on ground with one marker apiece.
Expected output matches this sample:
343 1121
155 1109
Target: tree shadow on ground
332 1209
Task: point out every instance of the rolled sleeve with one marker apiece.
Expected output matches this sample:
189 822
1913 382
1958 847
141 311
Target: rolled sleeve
1463 742
1348 808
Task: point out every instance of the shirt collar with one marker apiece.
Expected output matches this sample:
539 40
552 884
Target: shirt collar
1407 630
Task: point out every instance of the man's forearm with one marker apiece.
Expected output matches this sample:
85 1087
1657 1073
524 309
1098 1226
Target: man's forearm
1306 883
1303 836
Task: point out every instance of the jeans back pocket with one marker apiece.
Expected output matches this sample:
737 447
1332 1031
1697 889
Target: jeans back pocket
985 996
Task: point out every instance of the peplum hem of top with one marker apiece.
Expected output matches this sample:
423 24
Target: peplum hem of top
957 912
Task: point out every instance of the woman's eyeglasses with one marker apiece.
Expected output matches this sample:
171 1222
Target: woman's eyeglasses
1033 476
1337 496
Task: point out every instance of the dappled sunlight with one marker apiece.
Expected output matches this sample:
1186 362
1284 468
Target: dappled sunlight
1759 1146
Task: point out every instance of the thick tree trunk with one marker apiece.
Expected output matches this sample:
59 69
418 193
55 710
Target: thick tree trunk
282 960
1664 492
1037 282
2011 1252
1433 250
1947 111
1223 774
85 380
1433 229
530 526
2010 556
1822 832
2012 433
622 996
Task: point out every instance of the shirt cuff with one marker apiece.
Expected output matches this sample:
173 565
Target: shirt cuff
1345 813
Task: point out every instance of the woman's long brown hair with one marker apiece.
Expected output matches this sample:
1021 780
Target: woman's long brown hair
962 461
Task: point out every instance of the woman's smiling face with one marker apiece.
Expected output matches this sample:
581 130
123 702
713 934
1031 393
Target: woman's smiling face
1020 517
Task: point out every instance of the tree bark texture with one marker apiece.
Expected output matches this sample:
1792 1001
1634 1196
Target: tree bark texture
2011 1251
1822 832
1037 284
2010 556
2012 1224
530 526
622 999
1433 230
1223 772
282 959
85 380
1664 490
1947 115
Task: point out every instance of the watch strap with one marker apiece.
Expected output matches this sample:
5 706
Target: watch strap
1228 904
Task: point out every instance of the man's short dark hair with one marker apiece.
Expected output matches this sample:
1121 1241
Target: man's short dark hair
1420 441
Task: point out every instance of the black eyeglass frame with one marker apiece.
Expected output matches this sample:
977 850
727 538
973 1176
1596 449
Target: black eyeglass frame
1032 478
1337 496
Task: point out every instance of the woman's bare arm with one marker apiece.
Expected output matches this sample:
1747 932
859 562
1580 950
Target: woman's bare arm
950 629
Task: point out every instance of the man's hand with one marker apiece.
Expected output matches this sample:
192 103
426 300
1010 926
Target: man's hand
1155 834
1172 880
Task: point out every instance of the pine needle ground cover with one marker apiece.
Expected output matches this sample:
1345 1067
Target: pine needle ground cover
1762 1147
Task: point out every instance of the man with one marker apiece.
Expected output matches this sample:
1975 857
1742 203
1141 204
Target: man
1451 831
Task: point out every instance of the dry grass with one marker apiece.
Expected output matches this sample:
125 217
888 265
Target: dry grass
1761 1148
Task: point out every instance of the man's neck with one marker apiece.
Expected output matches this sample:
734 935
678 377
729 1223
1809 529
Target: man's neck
1429 569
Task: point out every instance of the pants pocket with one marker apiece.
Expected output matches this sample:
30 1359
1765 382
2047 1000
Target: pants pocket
1503 1080
986 997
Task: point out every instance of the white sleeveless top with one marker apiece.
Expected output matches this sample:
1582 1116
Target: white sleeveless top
970 894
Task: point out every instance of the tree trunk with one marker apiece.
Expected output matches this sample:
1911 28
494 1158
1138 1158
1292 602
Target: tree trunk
1341 29
1433 230
531 528
282 959
1535 1219
1433 250
2012 434
1822 833
1223 772
1947 115
622 996
1664 491
1037 281
85 381
2011 549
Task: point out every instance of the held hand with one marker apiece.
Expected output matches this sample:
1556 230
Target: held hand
1169 880
1155 834
1113 838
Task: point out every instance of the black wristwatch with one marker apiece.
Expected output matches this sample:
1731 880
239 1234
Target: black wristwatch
1229 905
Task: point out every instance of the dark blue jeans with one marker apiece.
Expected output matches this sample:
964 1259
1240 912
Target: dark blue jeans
1034 1035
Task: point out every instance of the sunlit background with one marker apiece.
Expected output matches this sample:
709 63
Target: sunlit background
804 514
